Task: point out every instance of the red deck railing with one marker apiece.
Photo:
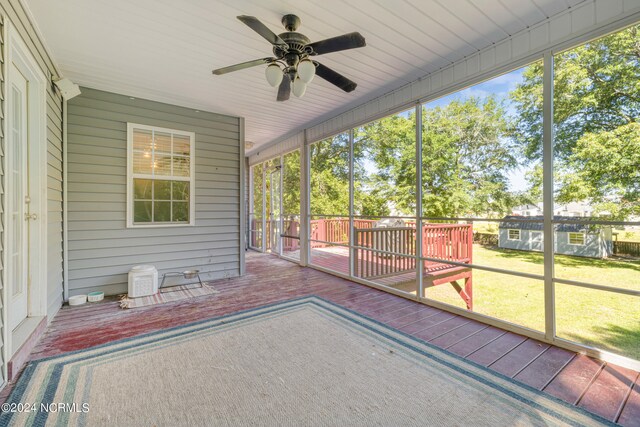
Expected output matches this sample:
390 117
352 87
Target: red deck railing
323 232
290 228
334 230
385 250
448 242
389 252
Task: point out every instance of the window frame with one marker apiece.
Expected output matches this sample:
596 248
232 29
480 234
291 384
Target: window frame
131 176
519 234
582 235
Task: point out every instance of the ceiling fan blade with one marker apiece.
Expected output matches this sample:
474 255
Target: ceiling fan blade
284 91
335 78
336 44
257 26
242 66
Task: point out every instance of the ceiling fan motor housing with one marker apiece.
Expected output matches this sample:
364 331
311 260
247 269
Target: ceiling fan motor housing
296 43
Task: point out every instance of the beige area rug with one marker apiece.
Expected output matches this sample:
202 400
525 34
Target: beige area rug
304 362
175 293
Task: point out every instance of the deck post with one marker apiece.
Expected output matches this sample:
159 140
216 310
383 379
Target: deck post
419 263
547 197
304 203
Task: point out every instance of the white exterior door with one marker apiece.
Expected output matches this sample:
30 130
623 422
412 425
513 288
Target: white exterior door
18 198
536 241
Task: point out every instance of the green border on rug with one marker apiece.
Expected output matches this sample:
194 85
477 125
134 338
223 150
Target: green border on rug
511 388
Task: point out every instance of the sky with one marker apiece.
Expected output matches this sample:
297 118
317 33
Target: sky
498 86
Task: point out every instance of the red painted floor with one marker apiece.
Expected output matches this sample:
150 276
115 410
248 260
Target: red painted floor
607 390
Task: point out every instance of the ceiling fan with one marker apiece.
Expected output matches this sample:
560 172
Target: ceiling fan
293 52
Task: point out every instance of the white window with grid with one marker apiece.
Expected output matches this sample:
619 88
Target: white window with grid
514 234
160 176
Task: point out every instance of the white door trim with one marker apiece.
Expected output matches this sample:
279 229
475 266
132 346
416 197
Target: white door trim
16 51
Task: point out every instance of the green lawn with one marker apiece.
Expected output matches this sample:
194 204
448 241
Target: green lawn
601 319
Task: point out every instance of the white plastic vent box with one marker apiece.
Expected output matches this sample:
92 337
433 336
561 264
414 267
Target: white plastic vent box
143 281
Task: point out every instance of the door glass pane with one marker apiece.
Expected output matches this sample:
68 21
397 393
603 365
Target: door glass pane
17 194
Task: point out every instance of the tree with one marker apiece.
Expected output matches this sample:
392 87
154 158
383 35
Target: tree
291 183
605 167
257 191
596 104
330 176
466 156
384 166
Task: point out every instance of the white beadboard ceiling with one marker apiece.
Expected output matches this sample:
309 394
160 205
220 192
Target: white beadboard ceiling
165 50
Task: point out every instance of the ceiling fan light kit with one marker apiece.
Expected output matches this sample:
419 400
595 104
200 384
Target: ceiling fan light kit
292 69
299 87
306 70
274 75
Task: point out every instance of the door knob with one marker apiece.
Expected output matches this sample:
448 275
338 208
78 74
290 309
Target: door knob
28 217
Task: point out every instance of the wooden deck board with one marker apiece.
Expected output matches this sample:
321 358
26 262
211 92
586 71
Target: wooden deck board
496 349
455 336
421 313
519 358
392 316
573 378
542 370
630 413
571 383
427 322
442 328
609 391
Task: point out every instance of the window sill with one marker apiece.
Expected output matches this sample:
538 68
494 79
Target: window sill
160 225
